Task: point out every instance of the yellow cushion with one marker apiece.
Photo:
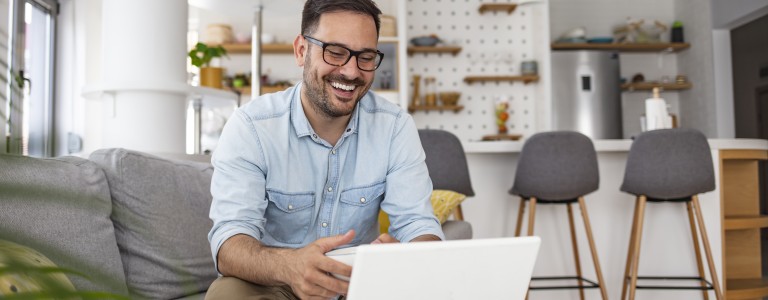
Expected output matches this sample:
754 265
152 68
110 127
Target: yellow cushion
27 271
443 204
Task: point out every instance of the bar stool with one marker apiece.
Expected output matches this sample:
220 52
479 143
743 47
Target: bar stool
669 165
559 168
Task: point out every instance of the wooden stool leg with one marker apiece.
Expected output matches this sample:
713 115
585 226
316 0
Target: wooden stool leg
575 250
520 212
697 249
631 247
458 215
531 216
707 250
636 251
592 248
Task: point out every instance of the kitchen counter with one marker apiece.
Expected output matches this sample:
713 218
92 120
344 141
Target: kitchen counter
607 145
667 239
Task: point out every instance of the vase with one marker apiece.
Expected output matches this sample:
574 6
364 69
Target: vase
211 77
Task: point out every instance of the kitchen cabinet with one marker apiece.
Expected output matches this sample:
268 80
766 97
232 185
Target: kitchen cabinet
742 223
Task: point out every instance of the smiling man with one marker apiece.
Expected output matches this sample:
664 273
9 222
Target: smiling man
304 171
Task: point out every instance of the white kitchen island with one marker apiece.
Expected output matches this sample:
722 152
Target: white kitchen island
667 247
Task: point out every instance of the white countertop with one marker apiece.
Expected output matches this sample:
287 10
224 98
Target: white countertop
609 145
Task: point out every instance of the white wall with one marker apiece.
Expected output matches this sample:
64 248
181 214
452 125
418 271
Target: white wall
698 105
727 14
78 64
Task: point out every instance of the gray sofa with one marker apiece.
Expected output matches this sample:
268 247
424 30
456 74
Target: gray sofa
133 224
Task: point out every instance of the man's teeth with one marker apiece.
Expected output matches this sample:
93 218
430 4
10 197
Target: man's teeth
342 86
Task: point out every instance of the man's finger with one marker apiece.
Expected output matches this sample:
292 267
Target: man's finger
327 286
333 266
332 242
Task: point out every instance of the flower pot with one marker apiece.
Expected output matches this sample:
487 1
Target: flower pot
211 77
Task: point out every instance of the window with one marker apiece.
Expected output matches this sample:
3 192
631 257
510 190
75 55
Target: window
28 82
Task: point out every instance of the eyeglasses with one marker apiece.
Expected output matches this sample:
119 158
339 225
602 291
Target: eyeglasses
337 55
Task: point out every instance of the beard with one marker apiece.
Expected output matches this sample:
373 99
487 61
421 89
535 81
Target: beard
318 95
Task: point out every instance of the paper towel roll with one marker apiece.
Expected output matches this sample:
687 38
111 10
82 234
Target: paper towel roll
656 114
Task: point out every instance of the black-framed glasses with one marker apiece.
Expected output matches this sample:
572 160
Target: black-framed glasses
338 55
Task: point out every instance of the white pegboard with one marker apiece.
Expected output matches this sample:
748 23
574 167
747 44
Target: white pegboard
493 43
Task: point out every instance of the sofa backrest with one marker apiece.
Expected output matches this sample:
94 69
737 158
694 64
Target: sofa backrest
161 221
61 208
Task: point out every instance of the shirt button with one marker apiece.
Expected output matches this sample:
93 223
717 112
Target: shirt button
349 129
362 200
314 136
330 189
325 224
290 206
333 151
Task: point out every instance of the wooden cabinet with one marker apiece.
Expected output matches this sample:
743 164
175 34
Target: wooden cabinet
742 223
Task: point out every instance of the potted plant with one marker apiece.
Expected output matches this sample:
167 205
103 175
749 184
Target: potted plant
201 56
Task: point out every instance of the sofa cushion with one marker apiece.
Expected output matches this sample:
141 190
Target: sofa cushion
61 208
161 221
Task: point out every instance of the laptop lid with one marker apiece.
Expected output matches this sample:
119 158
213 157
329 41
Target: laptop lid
497 268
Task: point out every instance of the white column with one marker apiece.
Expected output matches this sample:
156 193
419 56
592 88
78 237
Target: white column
144 46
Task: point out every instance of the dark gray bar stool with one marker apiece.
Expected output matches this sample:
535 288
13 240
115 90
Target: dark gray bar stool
448 169
669 165
559 168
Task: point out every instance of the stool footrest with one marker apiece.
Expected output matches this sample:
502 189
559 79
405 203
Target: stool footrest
591 283
708 285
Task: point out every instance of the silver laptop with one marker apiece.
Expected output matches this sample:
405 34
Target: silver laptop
497 268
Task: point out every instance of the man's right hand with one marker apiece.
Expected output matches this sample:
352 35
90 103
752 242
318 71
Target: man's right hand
309 269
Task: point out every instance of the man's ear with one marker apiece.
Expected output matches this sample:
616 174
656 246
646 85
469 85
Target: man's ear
299 50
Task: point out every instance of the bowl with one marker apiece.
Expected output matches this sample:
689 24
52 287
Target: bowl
425 41
449 98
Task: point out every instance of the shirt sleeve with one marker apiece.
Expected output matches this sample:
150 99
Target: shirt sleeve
238 185
407 200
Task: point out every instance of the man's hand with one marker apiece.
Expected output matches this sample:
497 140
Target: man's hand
385 238
309 269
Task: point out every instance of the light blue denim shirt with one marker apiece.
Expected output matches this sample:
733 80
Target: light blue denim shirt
279 182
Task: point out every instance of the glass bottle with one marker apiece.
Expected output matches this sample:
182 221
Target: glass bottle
430 91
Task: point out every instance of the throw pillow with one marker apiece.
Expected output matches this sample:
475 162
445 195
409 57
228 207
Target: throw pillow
27 271
443 204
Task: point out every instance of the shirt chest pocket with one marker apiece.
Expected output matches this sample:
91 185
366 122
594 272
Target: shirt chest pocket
289 215
359 210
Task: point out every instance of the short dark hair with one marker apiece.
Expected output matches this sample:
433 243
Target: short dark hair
313 9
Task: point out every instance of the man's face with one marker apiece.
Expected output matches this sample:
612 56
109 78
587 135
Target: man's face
334 91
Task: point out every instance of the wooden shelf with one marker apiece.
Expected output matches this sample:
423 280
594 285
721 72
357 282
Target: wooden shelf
502 137
434 49
746 288
246 90
265 48
649 47
524 78
454 108
647 86
508 7
745 222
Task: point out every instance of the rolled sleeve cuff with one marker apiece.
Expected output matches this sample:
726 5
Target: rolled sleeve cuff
223 233
419 228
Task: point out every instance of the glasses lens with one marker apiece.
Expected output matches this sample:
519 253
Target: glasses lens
335 55
368 60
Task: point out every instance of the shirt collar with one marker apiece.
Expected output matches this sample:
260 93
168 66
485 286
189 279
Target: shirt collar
301 123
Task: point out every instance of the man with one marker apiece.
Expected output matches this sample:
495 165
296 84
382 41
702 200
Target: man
301 172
